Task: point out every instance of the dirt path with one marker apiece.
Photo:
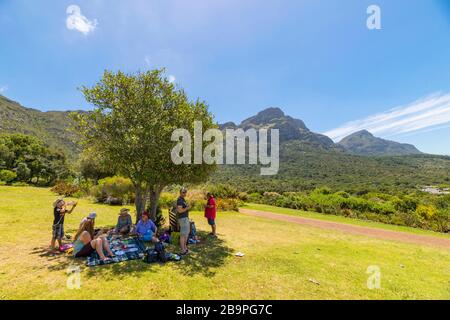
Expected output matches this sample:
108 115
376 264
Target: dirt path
354 229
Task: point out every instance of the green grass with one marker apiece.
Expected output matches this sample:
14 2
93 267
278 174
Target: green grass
279 259
335 218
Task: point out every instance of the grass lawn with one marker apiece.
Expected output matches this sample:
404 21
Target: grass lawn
279 260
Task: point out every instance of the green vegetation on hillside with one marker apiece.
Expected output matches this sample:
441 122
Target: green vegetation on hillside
51 127
304 168
26 159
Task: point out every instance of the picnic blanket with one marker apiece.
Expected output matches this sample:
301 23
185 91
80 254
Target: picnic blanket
124 250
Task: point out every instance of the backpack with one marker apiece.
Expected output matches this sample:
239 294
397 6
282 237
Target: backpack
161 251
150 256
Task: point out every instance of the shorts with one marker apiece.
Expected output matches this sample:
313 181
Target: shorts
185 226
58 231
86 251
211 222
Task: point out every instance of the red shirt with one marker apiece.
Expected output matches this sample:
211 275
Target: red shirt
210 213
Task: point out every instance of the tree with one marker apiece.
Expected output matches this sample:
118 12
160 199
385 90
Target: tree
23 172
131 126
31 159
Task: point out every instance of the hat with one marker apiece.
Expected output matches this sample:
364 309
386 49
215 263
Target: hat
145 213
184 189
92 215
57 201
124 210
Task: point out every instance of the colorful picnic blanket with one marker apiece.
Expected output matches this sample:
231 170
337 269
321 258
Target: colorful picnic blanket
124 250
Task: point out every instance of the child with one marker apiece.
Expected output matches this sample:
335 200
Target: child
59 211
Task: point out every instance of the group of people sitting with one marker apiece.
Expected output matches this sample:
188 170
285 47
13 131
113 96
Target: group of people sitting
88 240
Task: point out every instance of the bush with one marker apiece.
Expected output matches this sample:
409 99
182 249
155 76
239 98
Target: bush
254 197
224 191
19 184
426 211
227 204
114 190
7 175
167 200
65 189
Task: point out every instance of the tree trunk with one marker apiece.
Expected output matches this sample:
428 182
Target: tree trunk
155 193
139 202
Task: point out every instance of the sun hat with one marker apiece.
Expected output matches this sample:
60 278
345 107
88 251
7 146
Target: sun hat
124 210
92 215
57 201
183 190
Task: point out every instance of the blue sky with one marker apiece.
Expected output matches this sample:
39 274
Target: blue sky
315 59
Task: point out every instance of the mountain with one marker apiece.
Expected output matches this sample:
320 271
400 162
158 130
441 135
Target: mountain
307 159
366 144
50 127
290 128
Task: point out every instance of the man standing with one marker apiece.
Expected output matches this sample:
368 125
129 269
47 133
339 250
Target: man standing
183 220
210 212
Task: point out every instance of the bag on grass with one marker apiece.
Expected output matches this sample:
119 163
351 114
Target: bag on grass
159 248
150 256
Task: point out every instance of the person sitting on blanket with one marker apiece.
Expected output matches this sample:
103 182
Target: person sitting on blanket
124 222
85 244
146 228
91 216
59 212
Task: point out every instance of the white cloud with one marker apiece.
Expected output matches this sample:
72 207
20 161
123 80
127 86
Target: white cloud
76 21
428 113
3 89
171 78
147 61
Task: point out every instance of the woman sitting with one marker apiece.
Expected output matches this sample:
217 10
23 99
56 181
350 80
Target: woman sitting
85 244
124 222
146 229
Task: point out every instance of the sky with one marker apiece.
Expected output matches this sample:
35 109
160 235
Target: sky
315 59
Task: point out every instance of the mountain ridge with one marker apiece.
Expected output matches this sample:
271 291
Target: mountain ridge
51 126
366 144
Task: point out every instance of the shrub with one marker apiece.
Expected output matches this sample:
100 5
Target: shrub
426 211
227 204
113 190
224 191
254 197
65 189
19 184
271 197
167 200
7 175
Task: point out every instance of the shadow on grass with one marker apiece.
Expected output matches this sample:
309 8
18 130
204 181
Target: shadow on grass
204 258
57 260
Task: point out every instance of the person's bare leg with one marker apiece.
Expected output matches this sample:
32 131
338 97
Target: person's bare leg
105 243
52 244
213 229
183 242
97 244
